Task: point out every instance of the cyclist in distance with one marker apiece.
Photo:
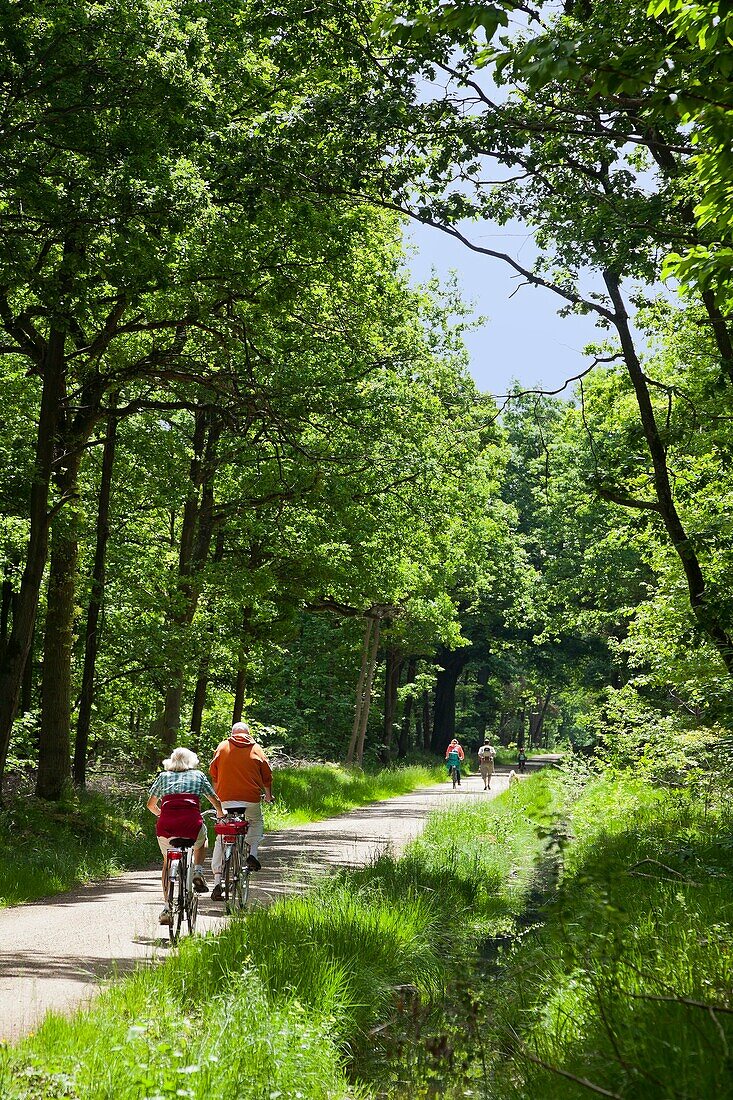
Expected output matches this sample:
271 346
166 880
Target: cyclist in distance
454 754
241 774
175 800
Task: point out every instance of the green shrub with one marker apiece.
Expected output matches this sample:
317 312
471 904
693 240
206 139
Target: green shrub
47 847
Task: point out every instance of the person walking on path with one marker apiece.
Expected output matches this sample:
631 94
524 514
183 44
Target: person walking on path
521 759
486 754
241 774
175 800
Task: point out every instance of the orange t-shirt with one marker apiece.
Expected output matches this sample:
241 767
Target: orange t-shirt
240 770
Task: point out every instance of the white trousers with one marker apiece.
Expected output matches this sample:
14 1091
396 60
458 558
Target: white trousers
252 814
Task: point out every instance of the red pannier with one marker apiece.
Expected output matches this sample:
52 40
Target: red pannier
230 830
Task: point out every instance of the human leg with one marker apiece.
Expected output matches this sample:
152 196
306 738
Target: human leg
165 915
199 855
253 814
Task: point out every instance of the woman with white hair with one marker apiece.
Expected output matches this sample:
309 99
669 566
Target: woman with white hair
174 799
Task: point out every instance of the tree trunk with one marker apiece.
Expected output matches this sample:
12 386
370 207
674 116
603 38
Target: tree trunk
199 700
196 533
708 618
5 605
392 671
427 730
444 713
54 757
239 693
91 644
15 657
26 687
482 679
521 739
404 742
368 627
240 685
368 687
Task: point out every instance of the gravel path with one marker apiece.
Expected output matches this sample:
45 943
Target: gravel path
55 953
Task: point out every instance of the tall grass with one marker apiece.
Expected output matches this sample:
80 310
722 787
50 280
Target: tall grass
47 847
627 987
157 1035
324 790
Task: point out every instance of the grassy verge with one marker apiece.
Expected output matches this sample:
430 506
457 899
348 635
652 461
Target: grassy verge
324 790
46 848
627 986
300 1001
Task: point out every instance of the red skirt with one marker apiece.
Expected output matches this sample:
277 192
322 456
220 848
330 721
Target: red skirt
180 815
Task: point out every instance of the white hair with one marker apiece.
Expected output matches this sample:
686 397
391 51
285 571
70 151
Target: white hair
240 727
181 760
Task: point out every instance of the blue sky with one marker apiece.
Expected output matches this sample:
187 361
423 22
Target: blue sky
523 338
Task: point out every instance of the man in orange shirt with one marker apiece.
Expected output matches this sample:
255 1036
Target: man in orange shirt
240 773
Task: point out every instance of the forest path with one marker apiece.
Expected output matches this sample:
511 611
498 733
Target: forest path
54 953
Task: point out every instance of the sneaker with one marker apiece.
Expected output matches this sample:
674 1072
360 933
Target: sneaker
199 882
253 864
165 916
218 892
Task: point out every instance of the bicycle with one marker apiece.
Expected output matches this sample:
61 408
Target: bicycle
235 873
455 773
182 898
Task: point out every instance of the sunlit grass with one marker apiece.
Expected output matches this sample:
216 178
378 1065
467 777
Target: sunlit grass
46 848
325 790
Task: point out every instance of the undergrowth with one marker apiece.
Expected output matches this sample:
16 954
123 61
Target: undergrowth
46 847
627 986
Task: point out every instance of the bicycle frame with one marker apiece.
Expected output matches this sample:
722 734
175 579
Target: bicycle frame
182 898
235 872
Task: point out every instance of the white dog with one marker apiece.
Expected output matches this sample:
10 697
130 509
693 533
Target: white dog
513 777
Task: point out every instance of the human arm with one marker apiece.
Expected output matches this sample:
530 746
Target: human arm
207 791
266 780
154 797
216 804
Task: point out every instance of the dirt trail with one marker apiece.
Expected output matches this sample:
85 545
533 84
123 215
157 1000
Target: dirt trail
55 953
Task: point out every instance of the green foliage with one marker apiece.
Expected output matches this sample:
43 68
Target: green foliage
85 837
620 985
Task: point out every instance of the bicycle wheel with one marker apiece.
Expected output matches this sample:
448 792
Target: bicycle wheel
454 775
231 874
176 898
240 894
192 910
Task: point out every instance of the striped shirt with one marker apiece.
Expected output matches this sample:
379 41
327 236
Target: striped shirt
190 782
